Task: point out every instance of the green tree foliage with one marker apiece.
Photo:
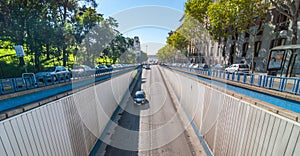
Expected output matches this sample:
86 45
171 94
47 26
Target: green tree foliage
166 53
230 18
52 31
178 41
197 9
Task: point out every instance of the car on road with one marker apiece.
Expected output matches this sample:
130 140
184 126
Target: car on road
82 70
238 68
53 73
148 67
140 97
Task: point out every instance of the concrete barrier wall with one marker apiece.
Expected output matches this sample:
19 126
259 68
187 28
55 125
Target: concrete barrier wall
68 126
231 126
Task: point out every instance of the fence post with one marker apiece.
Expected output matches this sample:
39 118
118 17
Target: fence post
296 86
281 85
251 79
259 80
245 78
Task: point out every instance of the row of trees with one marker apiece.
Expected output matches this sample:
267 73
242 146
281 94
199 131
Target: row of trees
60 32
229 18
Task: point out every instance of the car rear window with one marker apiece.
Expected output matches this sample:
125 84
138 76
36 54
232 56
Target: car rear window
244 66
140 96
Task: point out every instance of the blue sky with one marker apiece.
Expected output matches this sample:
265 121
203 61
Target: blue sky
151 20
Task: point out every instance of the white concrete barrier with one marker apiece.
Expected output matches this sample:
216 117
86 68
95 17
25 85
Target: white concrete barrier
68 126
231 126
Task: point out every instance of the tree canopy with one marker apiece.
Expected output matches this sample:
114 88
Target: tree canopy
59 32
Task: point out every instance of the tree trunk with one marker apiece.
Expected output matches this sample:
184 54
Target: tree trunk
47 52
294 29
65 58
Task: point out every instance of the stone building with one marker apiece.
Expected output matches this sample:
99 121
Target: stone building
275 31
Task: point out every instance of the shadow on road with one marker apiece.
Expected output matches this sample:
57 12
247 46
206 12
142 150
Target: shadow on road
124 140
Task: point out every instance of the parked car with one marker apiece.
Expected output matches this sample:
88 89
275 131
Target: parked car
54 72
203 66
218 67
82 70
101 67
140 97
243 68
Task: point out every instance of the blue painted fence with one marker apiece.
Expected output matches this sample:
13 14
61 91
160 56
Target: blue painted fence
282 84
12 85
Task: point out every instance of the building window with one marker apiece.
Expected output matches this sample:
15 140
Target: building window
247 35
272 44
277 42
245 49
281 41
257 48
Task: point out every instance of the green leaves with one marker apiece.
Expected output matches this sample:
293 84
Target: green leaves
197 9
178 41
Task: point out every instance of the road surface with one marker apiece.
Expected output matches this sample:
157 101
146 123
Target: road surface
154 128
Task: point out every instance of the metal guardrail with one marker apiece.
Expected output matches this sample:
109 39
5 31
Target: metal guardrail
29 80
282 84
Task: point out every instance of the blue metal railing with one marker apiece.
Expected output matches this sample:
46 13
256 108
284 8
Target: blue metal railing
282 84
11 85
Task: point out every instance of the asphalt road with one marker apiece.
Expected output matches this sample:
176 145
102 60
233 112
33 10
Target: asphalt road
154 128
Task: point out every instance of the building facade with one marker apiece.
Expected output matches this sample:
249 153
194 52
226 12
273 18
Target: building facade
275 31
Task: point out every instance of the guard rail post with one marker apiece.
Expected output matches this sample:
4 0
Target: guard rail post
251 79
259 83
245 78
238 77
296 86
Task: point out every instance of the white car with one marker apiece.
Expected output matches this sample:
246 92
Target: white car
238 68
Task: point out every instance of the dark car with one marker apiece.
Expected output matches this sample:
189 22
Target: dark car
140 97
203 66
148 67
82 70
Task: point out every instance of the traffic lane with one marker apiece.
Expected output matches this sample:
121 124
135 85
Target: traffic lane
161 130
150 129
122 136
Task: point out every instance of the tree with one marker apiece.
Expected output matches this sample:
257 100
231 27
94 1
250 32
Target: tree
289 8
231 18
198 9
178 41
166 53
94 43
42 27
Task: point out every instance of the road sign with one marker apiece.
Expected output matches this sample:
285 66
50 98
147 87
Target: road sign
19 51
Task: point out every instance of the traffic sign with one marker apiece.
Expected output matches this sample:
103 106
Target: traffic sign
19 51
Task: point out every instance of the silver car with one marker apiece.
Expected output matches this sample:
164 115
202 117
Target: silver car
53 73
140 97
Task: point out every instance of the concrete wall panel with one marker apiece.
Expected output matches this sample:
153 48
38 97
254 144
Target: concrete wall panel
231 126
68 126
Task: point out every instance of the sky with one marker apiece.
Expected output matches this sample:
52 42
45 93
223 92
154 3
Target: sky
151 20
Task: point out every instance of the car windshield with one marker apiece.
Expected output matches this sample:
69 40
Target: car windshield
50 69
87 68
140 96
244 66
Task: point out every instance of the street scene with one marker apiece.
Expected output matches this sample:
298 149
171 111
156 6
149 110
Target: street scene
138 77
